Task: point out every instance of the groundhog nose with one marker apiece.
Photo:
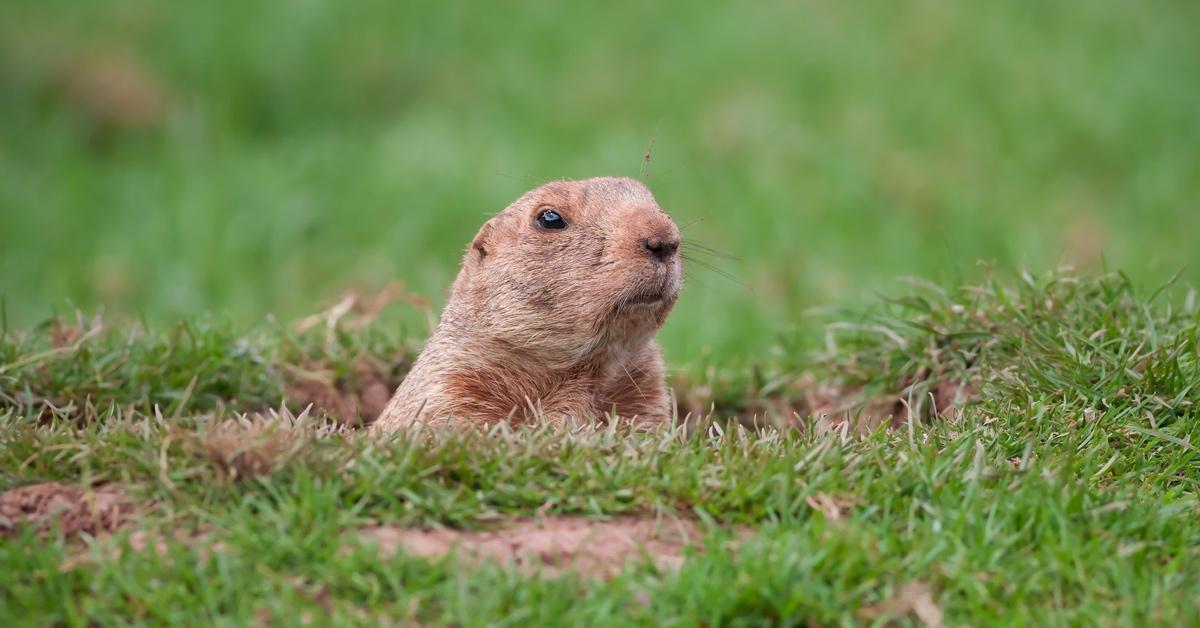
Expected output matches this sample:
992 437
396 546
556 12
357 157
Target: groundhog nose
662 248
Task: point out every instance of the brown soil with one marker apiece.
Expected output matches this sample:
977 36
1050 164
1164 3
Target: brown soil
834 407
359 397
831 405
76 510
354 400
552 545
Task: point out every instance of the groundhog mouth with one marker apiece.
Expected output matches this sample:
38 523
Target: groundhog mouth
648 297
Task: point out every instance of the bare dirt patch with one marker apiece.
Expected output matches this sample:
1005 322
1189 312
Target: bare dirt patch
923 396
809 401
354 400
590 547
358 397
76 510
833 407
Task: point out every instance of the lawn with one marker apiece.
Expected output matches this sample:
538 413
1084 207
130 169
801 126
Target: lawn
896 402
1059 488
266 157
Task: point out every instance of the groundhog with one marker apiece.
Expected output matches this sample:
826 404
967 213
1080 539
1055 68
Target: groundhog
553 314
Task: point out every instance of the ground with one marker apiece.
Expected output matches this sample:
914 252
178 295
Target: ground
262 157
182 185
1037 463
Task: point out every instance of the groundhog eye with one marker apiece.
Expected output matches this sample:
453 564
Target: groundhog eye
550 219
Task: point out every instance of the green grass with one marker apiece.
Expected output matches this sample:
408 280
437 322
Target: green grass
263 158
1064 494
304 149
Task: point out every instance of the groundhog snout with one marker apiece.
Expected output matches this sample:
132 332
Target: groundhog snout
657 238
661 248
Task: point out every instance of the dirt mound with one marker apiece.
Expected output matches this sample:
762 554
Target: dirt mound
76 510
834 407
355 399
591 547
807 400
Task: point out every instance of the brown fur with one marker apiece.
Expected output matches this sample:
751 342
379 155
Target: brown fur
554 323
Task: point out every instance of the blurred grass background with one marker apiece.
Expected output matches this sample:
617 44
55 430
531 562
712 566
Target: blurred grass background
168 159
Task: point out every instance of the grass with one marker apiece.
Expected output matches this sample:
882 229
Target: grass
1064 493
305 149
67 368
252 159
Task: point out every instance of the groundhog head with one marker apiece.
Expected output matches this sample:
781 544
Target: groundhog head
570 268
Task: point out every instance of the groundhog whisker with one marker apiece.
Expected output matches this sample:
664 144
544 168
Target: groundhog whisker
699 247
716 269
691 278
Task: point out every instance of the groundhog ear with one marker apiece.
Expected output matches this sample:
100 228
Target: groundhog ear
481 246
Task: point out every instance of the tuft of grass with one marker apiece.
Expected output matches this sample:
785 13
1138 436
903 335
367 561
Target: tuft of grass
1099 342
81 371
